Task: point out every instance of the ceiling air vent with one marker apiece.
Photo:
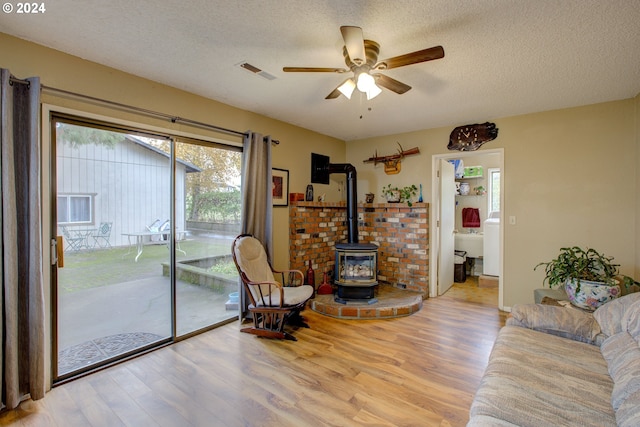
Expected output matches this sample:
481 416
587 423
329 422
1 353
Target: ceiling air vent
255 70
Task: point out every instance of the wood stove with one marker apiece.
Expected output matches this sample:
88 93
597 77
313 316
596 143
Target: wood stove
356 271
356 268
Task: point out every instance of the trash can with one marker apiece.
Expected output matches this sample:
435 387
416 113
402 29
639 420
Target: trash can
460 268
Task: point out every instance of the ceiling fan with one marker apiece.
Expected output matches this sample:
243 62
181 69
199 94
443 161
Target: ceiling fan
361 56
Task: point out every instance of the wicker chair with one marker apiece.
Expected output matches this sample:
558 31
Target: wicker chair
272 304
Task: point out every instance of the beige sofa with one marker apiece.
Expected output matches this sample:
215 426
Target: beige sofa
560 366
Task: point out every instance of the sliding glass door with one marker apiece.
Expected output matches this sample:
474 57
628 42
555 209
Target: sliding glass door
146 225
209 196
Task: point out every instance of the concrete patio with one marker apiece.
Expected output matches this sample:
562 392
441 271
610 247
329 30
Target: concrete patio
109 303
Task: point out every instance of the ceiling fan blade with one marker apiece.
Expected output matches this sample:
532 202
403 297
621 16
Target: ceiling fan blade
354 42
313 70
391 84
429 54
333 95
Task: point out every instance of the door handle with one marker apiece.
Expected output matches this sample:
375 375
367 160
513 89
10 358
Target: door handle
57 252
54 251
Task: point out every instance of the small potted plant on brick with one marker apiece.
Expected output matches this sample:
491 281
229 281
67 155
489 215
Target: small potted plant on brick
399 195
588 277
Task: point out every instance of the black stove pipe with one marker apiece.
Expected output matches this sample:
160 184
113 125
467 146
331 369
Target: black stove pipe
352 193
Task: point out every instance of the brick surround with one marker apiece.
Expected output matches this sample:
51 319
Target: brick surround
400 231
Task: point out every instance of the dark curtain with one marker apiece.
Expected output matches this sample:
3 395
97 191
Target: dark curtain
257 196
22 296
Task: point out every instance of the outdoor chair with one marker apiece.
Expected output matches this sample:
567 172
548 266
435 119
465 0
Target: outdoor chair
271 303
154 225
74 242
102 235
166 226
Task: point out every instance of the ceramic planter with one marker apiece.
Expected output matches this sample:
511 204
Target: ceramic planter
393 196
591 295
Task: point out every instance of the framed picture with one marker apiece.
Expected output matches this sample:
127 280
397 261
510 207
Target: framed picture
280 187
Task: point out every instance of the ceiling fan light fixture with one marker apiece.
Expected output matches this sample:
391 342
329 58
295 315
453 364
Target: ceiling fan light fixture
373 92
347 88
365 82
361 58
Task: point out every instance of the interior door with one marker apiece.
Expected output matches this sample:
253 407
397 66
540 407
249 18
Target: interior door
446 218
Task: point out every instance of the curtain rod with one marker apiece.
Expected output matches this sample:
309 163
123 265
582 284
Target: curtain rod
13 79
173 119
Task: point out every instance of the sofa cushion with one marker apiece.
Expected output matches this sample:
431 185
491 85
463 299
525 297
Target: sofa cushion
486 421
535 379
628 414
610 315
623 358
631 321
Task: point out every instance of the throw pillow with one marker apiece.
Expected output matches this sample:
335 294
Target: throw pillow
610 315
571 323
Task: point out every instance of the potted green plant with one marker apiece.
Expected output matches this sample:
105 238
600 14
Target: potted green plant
395 194
589 277
392 194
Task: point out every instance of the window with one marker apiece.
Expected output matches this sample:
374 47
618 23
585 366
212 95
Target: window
75 209
494 190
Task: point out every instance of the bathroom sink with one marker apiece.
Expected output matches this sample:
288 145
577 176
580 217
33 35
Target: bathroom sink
471 243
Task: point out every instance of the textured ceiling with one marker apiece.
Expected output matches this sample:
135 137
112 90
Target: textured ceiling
502 57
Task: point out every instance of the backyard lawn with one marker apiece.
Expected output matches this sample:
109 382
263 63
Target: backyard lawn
101 267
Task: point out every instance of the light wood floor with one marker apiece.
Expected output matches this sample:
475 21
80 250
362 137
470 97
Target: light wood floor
420 370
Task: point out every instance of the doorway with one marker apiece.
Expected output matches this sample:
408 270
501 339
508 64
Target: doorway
441 254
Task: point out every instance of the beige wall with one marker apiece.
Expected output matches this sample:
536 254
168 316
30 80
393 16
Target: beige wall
637 235
62 71
569 179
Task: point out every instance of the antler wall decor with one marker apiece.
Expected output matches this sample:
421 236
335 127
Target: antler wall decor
392 163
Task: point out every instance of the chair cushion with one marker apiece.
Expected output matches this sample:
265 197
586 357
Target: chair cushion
252 260
293 295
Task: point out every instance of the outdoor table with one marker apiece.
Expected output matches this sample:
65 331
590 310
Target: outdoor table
140 235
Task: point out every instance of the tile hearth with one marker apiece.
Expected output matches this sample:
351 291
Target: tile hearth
392 302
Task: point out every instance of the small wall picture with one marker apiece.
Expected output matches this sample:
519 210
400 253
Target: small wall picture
280 187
